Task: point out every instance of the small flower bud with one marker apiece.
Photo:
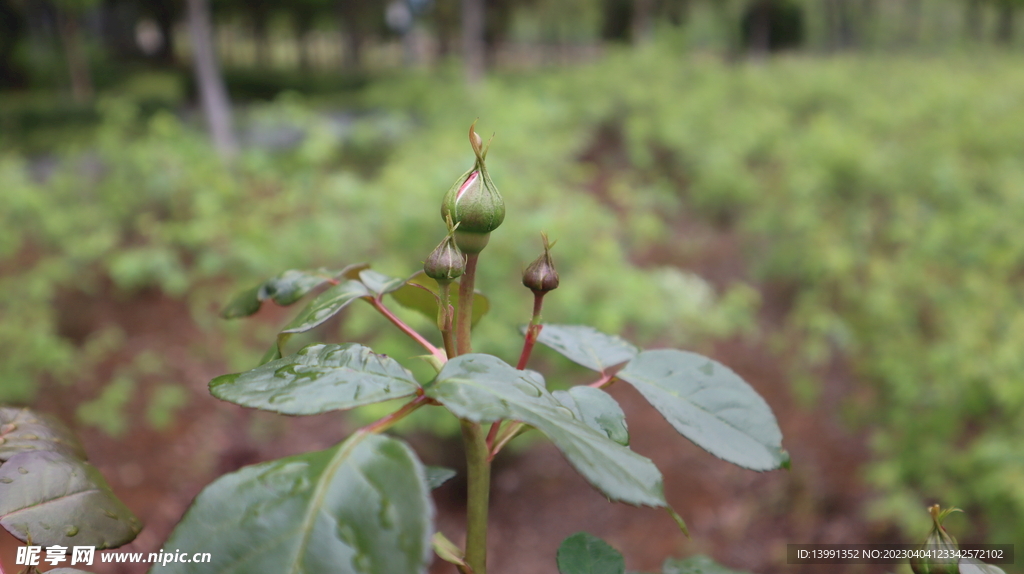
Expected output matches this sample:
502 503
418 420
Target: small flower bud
940 543
474 203
541 275
446 262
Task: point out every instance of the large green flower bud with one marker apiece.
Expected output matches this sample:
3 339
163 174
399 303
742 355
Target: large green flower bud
940 543
474 203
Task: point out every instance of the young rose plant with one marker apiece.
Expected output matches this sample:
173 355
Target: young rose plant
364 505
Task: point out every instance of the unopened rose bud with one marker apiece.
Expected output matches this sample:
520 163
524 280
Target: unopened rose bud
541 275
474 203
446 262
939 544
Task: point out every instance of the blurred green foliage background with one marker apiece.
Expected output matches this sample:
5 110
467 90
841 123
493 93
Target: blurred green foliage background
873 177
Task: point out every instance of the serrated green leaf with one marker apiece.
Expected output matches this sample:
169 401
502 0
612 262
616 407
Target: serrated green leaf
710 405
23 430
584 553
421 293
586 346
483 388
317 379
58 499
378 283
438 475
699 564
326 305
361 507
597 409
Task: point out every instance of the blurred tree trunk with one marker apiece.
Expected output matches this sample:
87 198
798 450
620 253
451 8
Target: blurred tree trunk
972 20
74 52
760 28
617 19
164 13
1005 22
302 20
12 26
473 42
912 29
350 12
643 21
212 94
840 24
260 15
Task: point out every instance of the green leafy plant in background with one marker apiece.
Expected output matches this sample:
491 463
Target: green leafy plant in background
364 505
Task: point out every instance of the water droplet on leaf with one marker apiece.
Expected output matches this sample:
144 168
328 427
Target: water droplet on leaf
71 531
6 480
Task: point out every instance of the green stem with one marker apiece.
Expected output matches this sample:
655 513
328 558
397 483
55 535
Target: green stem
464 320
478 465
477 500
446 322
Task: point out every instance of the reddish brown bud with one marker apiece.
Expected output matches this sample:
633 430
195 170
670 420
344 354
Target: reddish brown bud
541 275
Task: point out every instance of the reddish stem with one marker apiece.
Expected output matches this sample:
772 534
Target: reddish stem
532 332
384 423
605 380
375 301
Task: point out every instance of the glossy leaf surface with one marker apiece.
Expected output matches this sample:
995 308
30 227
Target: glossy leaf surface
317 379
23 430
587 346
597 409
710 405
361 507
326 305
59 499
584 553
482 388
378 283
421 293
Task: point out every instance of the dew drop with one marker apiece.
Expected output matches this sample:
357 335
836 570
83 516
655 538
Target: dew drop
71 531
44 525
29 437
6 480
22 470
110 513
